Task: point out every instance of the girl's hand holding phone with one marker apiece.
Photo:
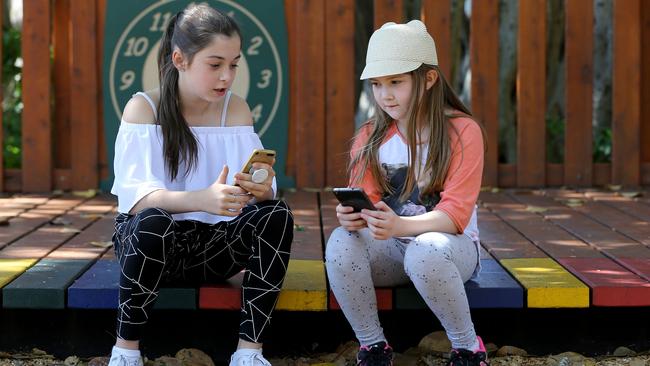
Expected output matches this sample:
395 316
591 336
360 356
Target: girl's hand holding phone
383 223
350 220
221 198
261 191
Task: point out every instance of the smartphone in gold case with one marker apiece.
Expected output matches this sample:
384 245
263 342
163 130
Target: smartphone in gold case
259 156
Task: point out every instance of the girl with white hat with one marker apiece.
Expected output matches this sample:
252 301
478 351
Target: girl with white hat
420 160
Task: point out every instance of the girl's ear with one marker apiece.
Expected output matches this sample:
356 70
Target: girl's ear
432 78
178 60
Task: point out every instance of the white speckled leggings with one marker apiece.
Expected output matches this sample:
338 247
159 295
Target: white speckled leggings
437 263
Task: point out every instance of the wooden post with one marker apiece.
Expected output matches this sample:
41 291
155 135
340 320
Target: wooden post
531 94
309 93
83 95
579 50
484 61
36 124
626 89
388 11
436 15
61 78
339 85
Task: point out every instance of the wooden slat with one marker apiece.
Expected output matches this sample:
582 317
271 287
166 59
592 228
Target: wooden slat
388 11
309 93
307 242
36 128
304 287
626 89
531 94
339 102
579 79
2 138
61 78
484 63
645 89
610 243
44 286
34 218
292 15
83 95
502 241
99 54
436 15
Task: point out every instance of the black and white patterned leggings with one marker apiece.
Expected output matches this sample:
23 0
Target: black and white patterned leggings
154 249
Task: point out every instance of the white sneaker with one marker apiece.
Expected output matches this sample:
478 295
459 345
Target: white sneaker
248 357
119 358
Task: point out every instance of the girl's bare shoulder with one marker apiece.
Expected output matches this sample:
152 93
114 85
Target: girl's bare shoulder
239 113
139 110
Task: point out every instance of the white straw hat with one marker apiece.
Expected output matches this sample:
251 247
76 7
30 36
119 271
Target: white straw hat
399 48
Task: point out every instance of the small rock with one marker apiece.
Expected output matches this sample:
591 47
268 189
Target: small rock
72 361
413 351
624 352
435 342
405 360
98 361
193 357
167 361
511 351
39 352
566 359
348 350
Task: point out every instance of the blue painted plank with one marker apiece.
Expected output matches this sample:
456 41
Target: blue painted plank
98 288
494 288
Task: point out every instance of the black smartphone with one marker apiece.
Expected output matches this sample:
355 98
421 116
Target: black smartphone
355 197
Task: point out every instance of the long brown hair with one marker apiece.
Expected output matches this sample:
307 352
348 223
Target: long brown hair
190 30
433 108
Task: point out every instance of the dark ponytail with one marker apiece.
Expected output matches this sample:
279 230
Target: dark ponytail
190 31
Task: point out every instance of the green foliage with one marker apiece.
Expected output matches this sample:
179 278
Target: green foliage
554 139
603 145
12 105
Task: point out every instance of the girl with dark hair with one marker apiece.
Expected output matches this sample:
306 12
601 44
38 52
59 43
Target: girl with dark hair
420 160
180 218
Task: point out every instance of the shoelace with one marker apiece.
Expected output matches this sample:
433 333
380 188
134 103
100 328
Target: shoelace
376 356
463 357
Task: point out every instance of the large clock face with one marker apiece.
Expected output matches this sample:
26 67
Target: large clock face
133 64
131 41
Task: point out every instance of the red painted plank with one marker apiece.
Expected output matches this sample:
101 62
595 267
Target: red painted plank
484 63
83 95
531 94
339 93
626 90
579 79
384 299
36 127
225 296
617 287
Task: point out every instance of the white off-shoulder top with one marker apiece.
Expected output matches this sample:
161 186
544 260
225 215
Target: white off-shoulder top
140 166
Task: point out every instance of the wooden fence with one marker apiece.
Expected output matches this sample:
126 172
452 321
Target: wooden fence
63 145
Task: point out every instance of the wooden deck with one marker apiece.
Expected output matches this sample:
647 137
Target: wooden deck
542 249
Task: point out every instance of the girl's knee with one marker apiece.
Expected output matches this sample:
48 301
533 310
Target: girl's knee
427 251
339 244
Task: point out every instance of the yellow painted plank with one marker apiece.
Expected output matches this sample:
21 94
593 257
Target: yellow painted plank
304 287
548 284
12 268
